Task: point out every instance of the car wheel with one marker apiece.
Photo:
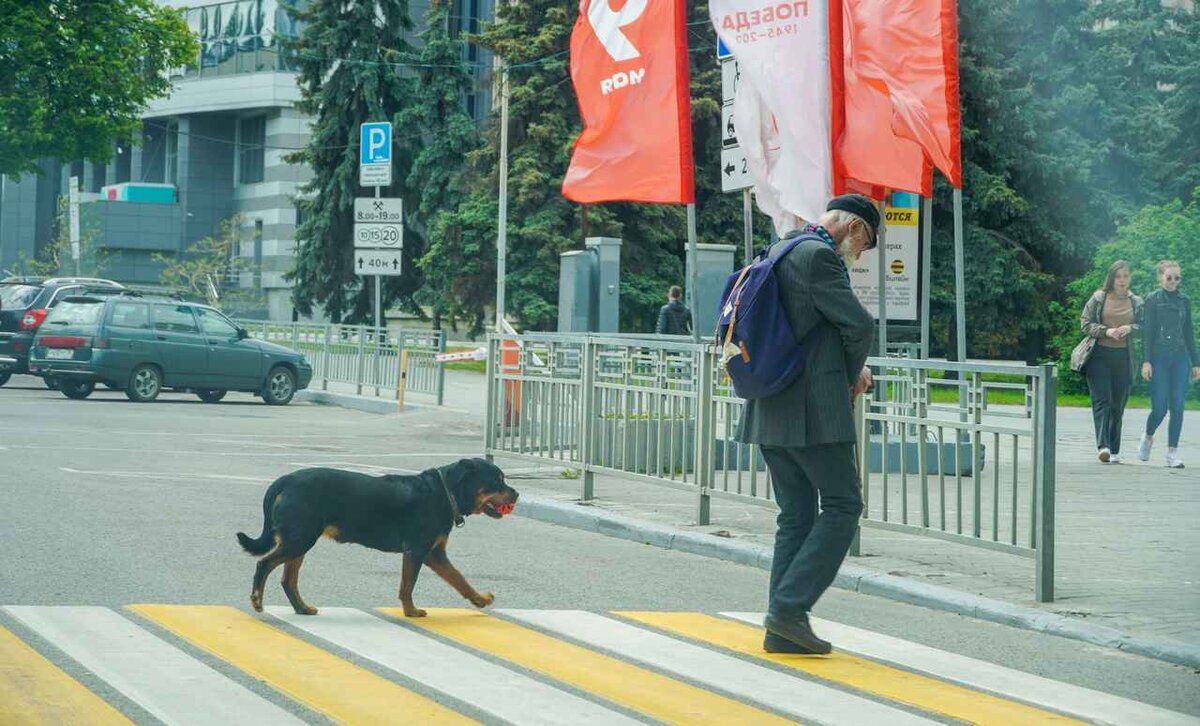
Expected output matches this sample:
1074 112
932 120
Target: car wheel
210 395
145 383
4 378
280 386
51 383
77 390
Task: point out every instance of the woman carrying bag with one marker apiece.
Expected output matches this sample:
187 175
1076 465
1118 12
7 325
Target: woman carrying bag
1105 355
1171 360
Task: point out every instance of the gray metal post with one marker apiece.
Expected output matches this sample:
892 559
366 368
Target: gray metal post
362 357
691 267
748 225
378 294
326 361
441 369
588 424
1047 417
881 259
502 233
926 222
493 400
705 426
960 299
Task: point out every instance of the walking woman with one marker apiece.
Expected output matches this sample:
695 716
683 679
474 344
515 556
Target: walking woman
1109 319
1171 360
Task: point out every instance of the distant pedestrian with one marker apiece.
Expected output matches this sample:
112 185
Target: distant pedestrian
674 318
1105 356
1171 359
807 431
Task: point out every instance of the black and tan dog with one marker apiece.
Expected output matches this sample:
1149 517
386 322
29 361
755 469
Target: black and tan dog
412 514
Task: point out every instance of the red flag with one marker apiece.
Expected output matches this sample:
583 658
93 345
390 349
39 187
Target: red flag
899 94
630 70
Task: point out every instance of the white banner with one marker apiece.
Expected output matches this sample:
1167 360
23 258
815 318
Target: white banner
782 108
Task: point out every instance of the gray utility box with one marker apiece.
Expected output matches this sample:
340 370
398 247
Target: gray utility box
714 264
589 287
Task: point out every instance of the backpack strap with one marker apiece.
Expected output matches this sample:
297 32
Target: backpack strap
778 254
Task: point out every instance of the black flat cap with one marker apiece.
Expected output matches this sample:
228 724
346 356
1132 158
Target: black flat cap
861 206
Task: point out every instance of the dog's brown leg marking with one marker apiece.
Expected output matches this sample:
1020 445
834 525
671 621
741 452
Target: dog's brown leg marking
291 582
332 532
408 580
440 563
269 562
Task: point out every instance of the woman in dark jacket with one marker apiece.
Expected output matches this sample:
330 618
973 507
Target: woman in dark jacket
1171 360
1110 316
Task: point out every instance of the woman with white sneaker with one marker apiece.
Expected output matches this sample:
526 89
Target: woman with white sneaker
1171 360
1105 356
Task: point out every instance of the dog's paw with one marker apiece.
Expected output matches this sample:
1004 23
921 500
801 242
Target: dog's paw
483 600
414 613
307 610
256 601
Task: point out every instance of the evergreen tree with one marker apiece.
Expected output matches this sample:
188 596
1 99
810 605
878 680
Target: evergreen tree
349 72
448 134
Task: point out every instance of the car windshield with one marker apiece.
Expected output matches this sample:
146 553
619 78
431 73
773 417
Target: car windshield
76 313
17 297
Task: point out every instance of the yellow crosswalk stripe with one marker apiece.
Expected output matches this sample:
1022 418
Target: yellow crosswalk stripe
928 694
636 688
320 680
35 691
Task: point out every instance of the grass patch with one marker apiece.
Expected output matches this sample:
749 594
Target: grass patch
570 473
472 366
1065 400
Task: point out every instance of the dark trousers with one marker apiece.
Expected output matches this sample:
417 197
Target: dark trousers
1108 380
1169 377
810 546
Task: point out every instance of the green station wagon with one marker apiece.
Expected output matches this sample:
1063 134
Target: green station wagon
143 345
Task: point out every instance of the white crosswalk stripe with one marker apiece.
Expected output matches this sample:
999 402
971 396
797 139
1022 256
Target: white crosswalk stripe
495 690
168 683
1084 703
794 696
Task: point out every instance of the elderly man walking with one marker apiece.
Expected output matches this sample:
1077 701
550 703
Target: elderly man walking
807 430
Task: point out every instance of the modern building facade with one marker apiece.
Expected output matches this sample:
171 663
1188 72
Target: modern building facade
219 141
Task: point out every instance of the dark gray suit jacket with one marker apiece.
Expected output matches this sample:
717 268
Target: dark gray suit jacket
815 409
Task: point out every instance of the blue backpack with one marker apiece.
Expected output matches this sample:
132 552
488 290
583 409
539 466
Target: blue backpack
753 331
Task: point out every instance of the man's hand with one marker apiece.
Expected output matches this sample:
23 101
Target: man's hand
1148 371
864 383
1114 333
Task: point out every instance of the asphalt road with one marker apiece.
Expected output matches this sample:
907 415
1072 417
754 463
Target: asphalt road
110 503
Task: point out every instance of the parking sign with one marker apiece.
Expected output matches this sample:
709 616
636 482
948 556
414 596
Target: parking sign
375 141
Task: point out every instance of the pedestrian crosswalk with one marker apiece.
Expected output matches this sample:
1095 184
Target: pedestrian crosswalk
196 664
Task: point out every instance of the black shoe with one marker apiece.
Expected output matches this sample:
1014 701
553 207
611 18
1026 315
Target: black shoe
797 633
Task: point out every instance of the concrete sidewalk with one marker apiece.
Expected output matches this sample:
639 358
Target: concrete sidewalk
1127 535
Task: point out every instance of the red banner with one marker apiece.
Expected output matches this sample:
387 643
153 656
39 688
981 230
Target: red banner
630 70
898 81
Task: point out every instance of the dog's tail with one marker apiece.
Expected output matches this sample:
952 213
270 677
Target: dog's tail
265 540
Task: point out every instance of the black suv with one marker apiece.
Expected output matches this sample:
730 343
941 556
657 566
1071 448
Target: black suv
24 304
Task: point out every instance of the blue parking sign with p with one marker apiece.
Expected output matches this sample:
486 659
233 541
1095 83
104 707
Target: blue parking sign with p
375 143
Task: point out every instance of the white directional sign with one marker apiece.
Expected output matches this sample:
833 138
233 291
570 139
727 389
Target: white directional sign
735 172
73 215
730 76
728 129
378 223
375 154
378 262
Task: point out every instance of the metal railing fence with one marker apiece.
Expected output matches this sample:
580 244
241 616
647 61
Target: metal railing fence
366 357
660 410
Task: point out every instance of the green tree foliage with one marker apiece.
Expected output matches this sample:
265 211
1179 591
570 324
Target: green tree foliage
448 135
1168 231
212 268
349 57
75 75
56 258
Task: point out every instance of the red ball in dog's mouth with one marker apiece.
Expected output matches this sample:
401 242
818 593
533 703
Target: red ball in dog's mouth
504 509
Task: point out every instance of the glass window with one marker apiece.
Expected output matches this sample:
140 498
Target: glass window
130 315
76 314
17 297
252 133
171 176
174 319
216 324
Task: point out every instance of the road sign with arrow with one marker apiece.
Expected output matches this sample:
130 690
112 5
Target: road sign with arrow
735 172
379 262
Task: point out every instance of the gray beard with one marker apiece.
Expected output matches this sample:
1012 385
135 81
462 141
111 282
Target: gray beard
846 250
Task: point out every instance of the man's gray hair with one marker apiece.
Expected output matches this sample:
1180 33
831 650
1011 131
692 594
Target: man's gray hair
841 216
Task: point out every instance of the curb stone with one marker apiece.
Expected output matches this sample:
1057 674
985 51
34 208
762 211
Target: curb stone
862 580
357 403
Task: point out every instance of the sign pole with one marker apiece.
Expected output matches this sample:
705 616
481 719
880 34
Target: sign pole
502 233
73 216
881 260
378 292
748 224
691 268
926 223
960 299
